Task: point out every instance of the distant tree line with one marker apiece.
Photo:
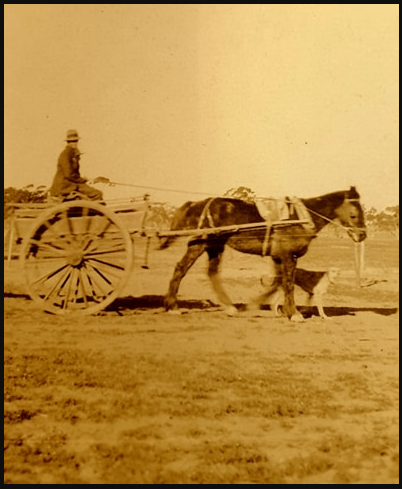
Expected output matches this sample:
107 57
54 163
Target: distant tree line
25 195
383 221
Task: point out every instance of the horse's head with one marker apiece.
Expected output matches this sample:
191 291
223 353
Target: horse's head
350 214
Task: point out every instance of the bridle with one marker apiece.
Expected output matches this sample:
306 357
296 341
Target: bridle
337 223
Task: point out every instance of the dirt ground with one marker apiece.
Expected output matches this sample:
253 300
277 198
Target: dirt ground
136 395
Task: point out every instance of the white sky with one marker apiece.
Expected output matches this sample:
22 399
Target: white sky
285 99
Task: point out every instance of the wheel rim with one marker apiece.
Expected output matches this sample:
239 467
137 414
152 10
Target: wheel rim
76 258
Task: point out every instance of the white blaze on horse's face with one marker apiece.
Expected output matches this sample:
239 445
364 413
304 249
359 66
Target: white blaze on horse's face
350 214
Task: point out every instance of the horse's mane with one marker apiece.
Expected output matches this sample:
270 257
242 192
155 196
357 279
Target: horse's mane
339 196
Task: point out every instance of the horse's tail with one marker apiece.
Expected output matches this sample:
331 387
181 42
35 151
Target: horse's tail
177 224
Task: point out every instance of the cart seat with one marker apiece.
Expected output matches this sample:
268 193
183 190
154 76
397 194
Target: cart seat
74 195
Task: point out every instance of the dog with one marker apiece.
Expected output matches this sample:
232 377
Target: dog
313 282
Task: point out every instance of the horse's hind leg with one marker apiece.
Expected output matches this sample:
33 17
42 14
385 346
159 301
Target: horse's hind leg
272 280
194 251
215 256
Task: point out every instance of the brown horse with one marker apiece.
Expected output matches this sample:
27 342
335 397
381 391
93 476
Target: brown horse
285 242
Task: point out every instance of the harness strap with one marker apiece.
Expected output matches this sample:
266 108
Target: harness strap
295 206
302 213
266 240
206 214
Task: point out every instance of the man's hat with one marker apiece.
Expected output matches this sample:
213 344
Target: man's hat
72 136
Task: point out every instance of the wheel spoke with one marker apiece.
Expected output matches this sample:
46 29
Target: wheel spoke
59 284
76 286
102 262
70 277
84 295
54 232
89 280
48 246
96 276
67 219
94 241
111 275
49 275
99 233
72 288
89 241
93 254
102 275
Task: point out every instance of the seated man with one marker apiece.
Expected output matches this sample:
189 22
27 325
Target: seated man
68 179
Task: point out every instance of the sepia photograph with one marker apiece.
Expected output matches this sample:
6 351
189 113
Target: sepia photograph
201 244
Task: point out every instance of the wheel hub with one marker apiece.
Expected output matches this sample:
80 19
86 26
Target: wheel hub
74 258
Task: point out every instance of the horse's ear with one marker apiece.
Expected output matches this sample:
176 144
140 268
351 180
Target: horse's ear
352 193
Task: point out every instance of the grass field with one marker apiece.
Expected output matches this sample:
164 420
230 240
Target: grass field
135 395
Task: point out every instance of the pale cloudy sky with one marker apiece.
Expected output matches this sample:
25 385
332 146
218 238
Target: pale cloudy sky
285 99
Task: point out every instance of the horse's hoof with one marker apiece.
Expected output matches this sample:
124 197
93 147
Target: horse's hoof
231 311
174 312
297 318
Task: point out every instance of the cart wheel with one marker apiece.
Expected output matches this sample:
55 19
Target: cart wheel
76 258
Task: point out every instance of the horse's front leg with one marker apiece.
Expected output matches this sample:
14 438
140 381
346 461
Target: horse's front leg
288 265
215 256
194 251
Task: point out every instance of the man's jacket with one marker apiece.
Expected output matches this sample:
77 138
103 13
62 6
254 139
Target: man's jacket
67 175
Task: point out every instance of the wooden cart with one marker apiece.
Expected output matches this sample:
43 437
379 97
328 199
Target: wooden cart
77 256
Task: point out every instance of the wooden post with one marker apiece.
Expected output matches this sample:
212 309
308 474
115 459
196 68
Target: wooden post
10 233
145 265
359 262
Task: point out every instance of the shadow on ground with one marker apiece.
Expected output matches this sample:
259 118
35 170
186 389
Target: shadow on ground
149 302
156 302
